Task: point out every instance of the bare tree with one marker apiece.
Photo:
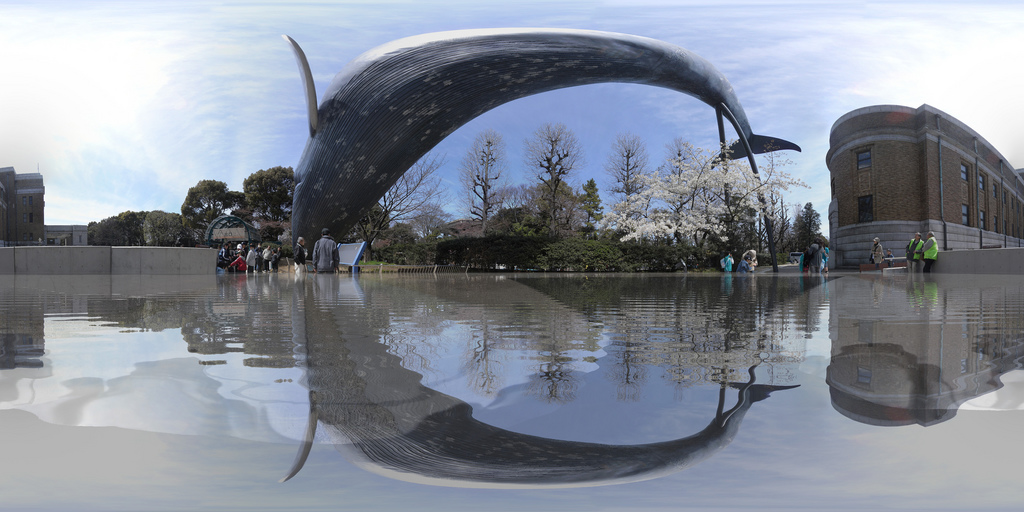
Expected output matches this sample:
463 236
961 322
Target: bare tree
481 172
627 164
429 221
418 190
553 153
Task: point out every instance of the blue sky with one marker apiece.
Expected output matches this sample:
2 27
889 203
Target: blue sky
124 105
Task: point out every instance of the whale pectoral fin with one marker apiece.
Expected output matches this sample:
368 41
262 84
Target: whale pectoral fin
758 392
307 84
760 144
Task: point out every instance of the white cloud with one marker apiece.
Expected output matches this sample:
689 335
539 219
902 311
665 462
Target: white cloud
126 105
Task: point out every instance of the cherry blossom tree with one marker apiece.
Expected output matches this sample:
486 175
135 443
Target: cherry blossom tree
694 195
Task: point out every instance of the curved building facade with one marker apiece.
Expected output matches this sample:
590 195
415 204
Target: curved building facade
898 170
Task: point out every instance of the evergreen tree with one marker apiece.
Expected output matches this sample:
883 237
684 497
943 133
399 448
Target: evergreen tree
806 227
591 204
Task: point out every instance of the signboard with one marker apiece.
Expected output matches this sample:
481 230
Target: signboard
230 234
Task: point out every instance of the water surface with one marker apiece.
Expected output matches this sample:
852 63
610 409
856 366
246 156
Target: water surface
539 392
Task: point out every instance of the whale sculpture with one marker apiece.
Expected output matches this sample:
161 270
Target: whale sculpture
381 416
394 103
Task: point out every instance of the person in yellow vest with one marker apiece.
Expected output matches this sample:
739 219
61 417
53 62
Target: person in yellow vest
931 252
914 253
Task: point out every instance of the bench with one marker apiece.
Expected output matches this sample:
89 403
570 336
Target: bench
871 267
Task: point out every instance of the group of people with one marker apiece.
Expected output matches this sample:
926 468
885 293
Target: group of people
815 257
921 254
256 258
747 264
324 258
247 258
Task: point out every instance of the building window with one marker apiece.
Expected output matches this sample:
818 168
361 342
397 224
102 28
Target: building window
24 218
963 171
965 217
24 200
30 200
1004 196
30 220
981 220
864 159
863 375
864 210
995 223
981 182
995 191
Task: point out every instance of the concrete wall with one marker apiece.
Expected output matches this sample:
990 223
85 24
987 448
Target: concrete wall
981 261
100 260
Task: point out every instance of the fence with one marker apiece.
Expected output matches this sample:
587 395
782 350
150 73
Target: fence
408 269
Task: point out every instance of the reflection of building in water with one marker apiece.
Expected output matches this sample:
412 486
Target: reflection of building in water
236 318
908 352
23 329
21 338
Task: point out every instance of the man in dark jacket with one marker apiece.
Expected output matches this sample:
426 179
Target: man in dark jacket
325 253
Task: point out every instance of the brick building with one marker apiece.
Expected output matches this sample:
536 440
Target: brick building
898 170
21 208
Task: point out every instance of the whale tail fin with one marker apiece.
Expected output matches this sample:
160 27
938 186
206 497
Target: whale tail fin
760 144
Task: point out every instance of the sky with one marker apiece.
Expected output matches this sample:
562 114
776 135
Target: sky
125 105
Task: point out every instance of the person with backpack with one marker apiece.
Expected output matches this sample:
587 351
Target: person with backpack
727 262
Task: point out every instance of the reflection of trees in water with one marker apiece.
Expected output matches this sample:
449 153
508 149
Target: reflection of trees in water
491 319
482 362
239 316
629 369
696 329
689 327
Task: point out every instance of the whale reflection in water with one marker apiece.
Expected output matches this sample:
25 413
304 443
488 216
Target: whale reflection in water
386 421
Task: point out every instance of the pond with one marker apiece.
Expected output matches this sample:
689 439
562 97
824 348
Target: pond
511 392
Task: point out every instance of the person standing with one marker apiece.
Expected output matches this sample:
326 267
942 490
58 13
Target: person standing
824 256
325 253
914 253
259 258
300 255
727 262
816 256
267 255
250 260
930 252
877 252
